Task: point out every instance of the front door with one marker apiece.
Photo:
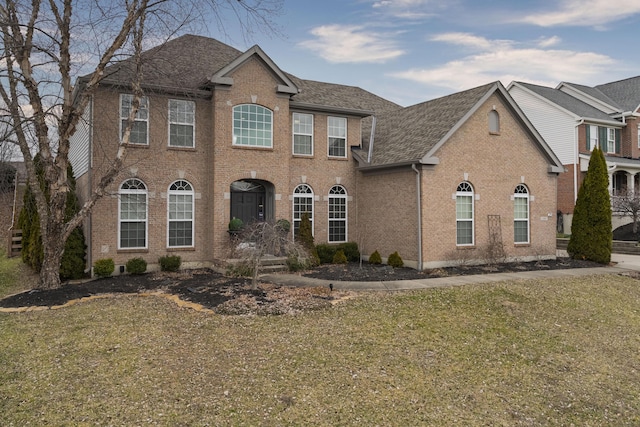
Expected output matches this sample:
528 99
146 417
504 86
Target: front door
248 201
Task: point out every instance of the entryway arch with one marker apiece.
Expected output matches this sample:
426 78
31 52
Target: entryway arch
252 200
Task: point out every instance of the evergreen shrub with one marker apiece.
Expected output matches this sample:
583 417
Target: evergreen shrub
375 258
395 260
170 263
104 267
136 266
340 257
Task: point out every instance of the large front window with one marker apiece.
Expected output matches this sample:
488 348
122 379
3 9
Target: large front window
521 214
303 134
337 133
302 203
132 215
180 215
140 127
252 126
181 123
464 214
337 214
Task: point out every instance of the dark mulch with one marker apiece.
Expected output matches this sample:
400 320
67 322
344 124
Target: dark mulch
211 289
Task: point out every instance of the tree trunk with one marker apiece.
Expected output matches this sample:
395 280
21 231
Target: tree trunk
50 271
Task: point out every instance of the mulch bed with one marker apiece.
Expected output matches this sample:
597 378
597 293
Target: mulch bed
232 295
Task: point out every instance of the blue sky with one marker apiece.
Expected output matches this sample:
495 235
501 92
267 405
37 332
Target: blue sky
411 51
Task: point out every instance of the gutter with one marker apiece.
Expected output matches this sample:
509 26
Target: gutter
371 139
576 162
419 200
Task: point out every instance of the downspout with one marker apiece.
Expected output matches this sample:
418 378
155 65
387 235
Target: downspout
576 162
89 233
419 200
371 139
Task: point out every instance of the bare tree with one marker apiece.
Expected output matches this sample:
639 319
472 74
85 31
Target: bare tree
46 46
628 204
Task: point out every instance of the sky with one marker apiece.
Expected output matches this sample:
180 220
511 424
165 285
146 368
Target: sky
410 51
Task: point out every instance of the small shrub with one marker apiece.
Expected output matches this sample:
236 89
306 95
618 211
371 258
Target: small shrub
340 257
242 269
351 251
326 252
104 267
284 225
170 263
305 232
375 258
136 266
295 263
235 224
395 260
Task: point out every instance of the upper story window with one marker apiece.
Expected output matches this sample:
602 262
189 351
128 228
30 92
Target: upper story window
638 136
132 215
464 214
182 119
180 214
337 133
494 122
252 126
140 128
303 134
521 214
608 139
592 137
611 140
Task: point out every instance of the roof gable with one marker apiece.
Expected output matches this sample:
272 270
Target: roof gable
625 92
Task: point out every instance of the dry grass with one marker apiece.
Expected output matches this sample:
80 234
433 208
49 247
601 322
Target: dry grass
553 352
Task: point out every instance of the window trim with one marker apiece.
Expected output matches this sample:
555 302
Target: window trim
191 193
144 107
611 142
593 130
170 122
235 138
329 136
294 133
471 194
338 196
494 122
121 192
522 192
305 195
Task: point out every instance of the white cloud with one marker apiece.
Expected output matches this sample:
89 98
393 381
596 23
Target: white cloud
340 44
505 61
585 13
548 42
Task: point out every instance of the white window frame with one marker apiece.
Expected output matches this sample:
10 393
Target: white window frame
611 140
133 191
142 115
182 117
298 129
594 137
302 191
246 126
638 136
465 191
338 193
173 193
521 193
336 132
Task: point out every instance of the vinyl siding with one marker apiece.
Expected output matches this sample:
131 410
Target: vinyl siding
80 143
556 126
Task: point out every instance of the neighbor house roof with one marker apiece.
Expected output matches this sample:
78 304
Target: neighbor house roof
412 135
193 64
625 92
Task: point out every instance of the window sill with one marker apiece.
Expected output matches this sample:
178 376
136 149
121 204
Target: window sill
494 133
188 149
460 247
132 145
132 251
190 249
249 147
337 158
302 156
522 245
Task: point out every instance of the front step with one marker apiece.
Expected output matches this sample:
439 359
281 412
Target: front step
268 264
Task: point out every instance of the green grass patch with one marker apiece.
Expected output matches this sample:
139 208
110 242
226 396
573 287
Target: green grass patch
552 352
14 275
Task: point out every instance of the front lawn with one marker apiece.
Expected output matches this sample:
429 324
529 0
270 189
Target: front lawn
552 352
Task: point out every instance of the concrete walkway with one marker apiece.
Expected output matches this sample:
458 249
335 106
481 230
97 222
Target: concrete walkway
624 263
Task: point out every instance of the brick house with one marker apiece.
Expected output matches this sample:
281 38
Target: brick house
224 133
573 119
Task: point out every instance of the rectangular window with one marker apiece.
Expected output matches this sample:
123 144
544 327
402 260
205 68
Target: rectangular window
337 133
638 136
464 219
133 221
140 128
611 140
337 219
592 137
181 123
521 219
303 134
180 220
252 126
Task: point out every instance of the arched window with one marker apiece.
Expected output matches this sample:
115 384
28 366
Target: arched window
464 214
494 122
252 126
132 215
337 214
521 214
302 203
180 212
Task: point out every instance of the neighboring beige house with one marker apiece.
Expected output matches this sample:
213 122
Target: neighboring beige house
224 133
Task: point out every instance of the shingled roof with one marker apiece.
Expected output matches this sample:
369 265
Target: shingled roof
625 92
187 63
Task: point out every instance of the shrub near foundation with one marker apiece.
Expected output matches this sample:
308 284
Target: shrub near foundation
395 260
170 263
375 258
103 267
340 257
136 266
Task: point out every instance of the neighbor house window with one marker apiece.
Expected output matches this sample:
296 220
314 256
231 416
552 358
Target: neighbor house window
521 214
337 133
464 214
592 137
132 215
181 123
302 203
303 134
140 129
611 140
180 214
494 122
252 126
337 214
638 136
